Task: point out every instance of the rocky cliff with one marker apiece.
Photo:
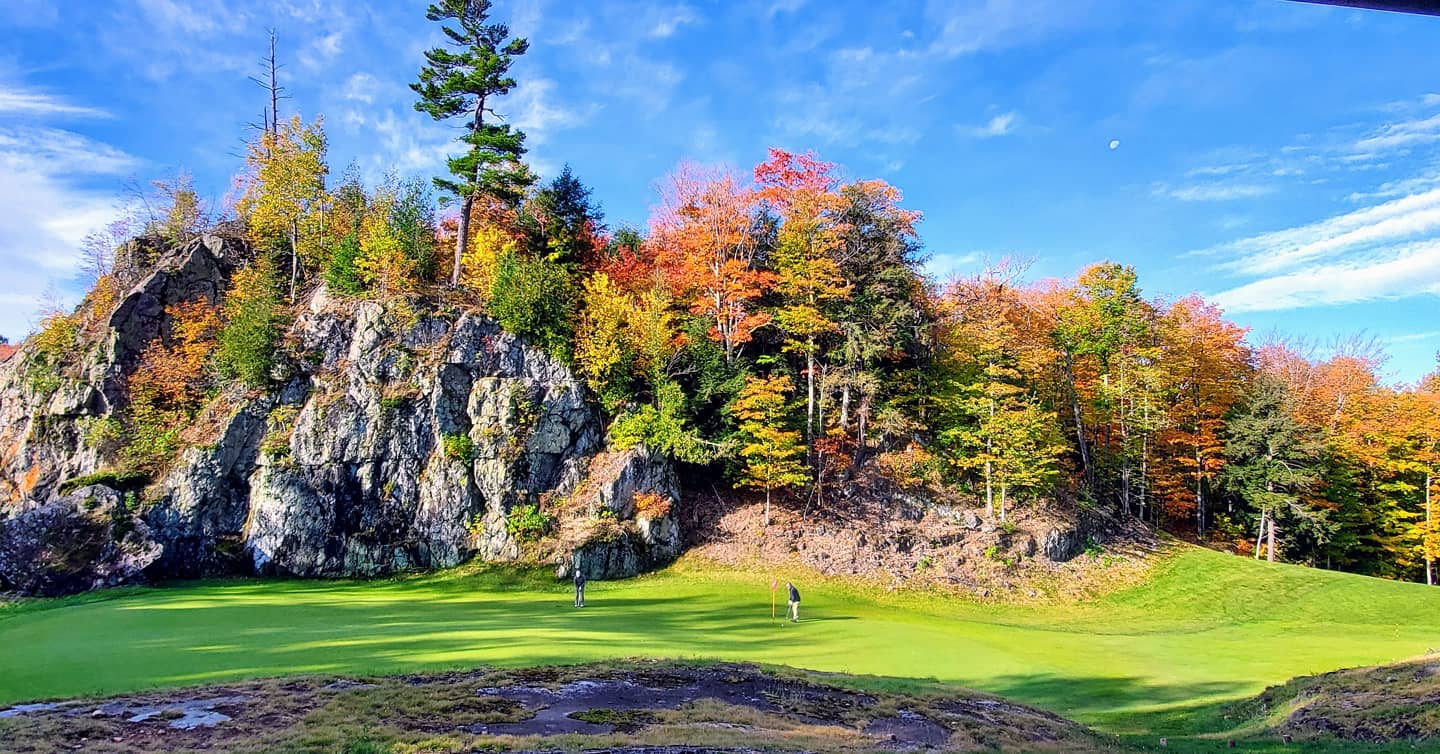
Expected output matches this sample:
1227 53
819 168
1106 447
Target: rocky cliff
385 440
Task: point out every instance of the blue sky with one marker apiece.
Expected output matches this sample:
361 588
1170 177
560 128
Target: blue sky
1281 158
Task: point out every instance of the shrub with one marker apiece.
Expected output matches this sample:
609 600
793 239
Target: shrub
536 300
476 525
252 325
168 387
341 274
103 433
526 523
652 504
57 340
458 447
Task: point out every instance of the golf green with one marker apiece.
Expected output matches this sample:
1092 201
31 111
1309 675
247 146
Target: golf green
1206 627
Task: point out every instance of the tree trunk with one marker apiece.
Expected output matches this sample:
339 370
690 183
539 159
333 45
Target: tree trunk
1199 495
767 507
1429 532
989 453
1270 546
810 394
1260 536
467 202
461 235
294 257
1086 471
989 492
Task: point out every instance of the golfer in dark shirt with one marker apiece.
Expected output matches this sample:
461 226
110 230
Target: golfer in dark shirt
794 602
579 587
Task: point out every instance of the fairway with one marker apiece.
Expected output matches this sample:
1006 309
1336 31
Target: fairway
1207 627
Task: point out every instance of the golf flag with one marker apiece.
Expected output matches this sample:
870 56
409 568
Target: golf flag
774 584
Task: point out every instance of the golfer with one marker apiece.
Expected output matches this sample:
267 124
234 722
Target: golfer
579 587
794 602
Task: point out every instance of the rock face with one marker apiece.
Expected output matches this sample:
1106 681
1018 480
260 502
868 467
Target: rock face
84 540
386 442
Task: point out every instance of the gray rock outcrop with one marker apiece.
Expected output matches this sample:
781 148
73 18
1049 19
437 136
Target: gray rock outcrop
85 540
387 441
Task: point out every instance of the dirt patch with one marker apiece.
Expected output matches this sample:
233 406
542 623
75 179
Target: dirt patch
904 541
637 706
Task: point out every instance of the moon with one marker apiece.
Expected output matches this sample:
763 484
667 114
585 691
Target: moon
1114 144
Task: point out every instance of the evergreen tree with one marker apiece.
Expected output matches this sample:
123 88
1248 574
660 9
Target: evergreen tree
465 82
1272 463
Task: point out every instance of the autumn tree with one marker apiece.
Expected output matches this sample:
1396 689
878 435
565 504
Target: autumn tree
705 237
284 192
251 324
465 82
885 320
802 192
773 455
1205 362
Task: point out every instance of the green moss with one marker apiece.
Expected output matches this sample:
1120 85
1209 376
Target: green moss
123 480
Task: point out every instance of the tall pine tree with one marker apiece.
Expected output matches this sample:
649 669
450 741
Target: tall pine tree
465 82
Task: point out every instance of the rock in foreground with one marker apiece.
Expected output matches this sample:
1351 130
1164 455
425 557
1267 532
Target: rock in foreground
651 707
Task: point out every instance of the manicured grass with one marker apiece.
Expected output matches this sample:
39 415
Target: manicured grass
1155 658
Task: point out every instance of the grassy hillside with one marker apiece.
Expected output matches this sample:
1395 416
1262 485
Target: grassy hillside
1207 628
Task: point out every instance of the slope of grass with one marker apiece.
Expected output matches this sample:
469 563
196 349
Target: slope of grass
1206 628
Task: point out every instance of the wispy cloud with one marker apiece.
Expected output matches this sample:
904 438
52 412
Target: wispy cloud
668 19
1218 191
999 125
50 206
23 102
1401 272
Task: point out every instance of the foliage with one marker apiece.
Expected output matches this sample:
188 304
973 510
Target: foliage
773 455
251 329
51 347
527 523
342 272
537 300
284 195
652 504
168 386
661 426
458 446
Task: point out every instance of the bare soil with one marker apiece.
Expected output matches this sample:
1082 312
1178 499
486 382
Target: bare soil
636 706
939 541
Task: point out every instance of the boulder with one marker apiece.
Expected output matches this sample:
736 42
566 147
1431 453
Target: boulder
1062 545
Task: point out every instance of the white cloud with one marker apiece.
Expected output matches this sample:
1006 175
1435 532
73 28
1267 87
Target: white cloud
1393 222
22 102
669 19
1394 136
322 50
1407 271
999 125
531 107
1215 192
49 209
361 87
970 26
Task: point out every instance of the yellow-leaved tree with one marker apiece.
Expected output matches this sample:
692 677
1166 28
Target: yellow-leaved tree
772 454
284 195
